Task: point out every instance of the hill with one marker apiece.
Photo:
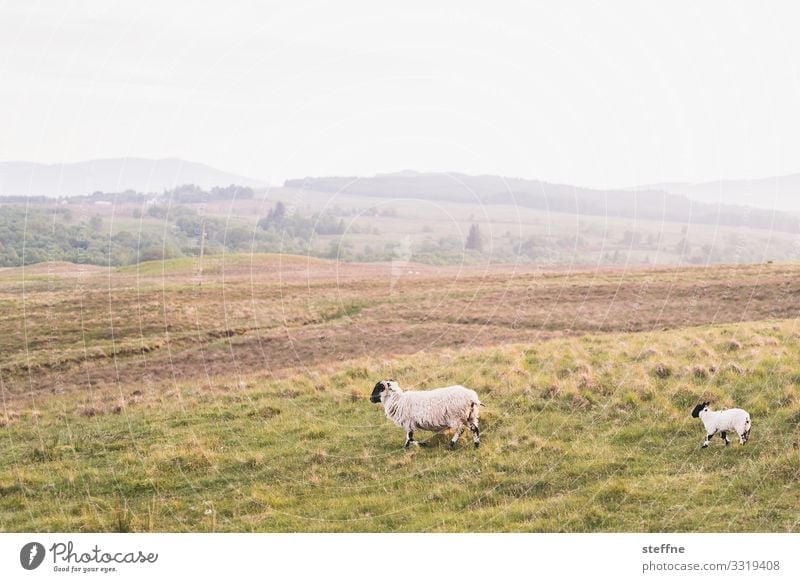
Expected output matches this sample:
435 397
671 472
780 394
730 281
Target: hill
111 175
781 193
641 204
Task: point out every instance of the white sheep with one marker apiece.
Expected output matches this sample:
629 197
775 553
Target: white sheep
721 421
454 407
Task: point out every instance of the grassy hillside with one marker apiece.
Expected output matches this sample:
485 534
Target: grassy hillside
121 419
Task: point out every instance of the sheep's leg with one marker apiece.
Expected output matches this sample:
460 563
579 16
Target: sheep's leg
476 432
725 438
456 436
409 439
743 437
708 437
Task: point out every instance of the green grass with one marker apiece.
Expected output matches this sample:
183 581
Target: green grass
213 264
579 434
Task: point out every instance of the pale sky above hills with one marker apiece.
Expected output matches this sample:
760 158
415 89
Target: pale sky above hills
568 92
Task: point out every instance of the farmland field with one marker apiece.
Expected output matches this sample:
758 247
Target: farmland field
166 397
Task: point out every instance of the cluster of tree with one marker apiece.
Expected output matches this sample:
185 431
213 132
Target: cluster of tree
29 236
474 239
184 194
291 223
32 235
192 194
125 197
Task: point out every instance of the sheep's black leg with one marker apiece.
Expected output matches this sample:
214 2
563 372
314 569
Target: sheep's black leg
724 436
476 433
409 439
708 438
456 436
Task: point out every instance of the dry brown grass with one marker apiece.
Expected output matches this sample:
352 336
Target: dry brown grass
146 328
662 370
90 411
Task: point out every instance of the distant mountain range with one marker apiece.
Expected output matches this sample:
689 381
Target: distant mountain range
778 192
654 203
111 175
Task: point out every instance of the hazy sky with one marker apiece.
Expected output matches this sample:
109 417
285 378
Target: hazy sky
590 93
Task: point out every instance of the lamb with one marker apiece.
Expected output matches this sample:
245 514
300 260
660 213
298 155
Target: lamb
454 407
722 421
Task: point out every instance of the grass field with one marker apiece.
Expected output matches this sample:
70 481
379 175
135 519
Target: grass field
154 398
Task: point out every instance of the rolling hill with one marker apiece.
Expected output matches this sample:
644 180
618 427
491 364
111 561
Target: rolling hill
781 193
644 204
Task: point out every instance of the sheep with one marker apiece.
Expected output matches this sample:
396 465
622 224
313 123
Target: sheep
722 421
454 407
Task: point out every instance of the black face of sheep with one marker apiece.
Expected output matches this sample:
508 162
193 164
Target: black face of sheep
375 397
698 409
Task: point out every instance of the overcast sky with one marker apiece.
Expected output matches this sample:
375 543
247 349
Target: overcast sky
593 93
